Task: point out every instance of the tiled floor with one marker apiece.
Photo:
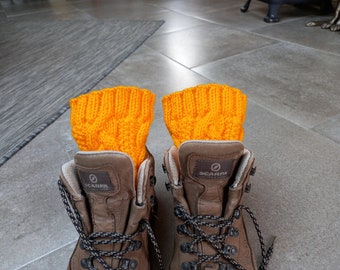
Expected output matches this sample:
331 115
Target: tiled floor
291 75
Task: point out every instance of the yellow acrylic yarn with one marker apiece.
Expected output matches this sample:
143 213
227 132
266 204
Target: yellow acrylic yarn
115 118
205 112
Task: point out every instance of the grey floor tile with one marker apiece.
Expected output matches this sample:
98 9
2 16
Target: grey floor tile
294 191
330 128
66 15
314 37
160 75
285 78
194 7
42 10
54 260
3 17
118 9
21 7
233 17
205 43
174 21
33 220
286 12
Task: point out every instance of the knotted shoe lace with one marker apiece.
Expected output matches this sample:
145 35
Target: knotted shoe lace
208 180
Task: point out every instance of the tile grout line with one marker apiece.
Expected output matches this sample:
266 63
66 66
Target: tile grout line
44 255
291 42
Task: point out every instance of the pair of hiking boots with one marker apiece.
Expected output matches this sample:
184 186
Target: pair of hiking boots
110 195
112 216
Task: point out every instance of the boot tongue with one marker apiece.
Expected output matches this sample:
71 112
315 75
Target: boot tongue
207 168
107 177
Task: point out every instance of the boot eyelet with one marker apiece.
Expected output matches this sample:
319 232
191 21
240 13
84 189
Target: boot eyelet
185 266
237 214
232 250
182 229
193 265
178 212
137 245
153 180
141 227
86 263
185 247
152 200
82 245
232 231
253 171
167 186
133 264
189 266
140 204
223 266
248 188
164 169
125 264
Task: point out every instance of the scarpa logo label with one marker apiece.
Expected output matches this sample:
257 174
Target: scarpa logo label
98 181
212 169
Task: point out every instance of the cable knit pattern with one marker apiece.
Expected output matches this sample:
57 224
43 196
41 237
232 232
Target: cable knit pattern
116 118
205 112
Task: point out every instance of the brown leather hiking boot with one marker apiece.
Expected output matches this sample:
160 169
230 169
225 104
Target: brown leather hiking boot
109 212
207 180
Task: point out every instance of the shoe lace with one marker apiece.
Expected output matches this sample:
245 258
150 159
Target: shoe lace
192 227
89 241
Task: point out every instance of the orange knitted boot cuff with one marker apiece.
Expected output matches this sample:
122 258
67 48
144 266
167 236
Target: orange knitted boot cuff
116 119
205 112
